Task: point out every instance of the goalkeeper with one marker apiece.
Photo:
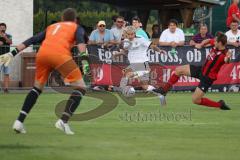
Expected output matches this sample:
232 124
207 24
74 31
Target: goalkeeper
54 53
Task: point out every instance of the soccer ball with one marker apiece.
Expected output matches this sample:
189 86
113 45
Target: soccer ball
128 91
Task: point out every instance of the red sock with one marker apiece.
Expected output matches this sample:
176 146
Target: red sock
173 79
209 103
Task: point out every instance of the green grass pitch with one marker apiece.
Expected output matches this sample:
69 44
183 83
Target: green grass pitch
203 133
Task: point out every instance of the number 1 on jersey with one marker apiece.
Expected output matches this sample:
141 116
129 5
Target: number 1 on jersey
56 29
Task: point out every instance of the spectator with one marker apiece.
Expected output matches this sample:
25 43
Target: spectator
117 31
233 35
139 31
156 31
5 42
78 21
114 19
173 36
203 38
101 36
199 15
233 13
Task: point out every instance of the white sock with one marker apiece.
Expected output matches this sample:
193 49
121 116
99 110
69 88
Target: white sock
124 82
150 88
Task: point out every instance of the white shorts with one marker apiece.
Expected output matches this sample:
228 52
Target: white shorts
140 70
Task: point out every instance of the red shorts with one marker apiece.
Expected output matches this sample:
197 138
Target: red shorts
46 61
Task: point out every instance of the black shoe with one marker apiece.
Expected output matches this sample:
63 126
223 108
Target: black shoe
224 106
160 90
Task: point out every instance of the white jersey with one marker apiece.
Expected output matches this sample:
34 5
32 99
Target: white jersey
137 50
233 37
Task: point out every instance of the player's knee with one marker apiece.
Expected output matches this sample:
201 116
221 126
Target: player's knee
144 85
79 85
196 100
81 91
179 71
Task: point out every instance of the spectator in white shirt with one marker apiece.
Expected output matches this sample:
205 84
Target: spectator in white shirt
233 35
173 36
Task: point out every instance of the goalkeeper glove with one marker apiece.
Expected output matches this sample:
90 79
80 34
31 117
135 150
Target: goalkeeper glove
7 57
86 68
85 64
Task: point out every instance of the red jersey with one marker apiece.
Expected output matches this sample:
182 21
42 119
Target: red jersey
214 62
233 9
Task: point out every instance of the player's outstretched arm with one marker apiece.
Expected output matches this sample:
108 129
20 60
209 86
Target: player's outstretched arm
121 52
7 58
155 48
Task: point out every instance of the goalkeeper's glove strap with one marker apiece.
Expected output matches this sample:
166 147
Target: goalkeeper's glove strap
15 52
83 54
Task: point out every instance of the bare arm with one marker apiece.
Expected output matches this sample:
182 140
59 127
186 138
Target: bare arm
8 41
228 57
236 18
92 42
192 43
155 48
205 42
235 44
181 43
164 43
121 52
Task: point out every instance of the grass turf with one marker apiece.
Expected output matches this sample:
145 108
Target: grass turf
204 133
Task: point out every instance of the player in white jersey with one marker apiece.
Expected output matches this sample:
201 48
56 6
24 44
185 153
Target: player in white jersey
136 49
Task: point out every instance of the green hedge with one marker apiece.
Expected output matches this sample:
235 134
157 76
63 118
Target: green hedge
88 18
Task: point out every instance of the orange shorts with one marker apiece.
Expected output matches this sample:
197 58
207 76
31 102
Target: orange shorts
46 62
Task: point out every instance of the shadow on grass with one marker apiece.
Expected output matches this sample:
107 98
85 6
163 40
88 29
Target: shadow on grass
25 147
18 146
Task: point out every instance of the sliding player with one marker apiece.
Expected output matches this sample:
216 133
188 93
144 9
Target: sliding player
136 49
54 53
207 74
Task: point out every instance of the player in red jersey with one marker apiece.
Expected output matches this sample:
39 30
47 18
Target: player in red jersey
233 13
54 53
207 73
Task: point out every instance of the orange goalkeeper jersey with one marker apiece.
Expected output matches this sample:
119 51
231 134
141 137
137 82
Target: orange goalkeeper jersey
60 37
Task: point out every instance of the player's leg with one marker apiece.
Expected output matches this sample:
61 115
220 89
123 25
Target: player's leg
184 70
198 96
28 104
127 74
6 80
41 76
71 106
143 72
72 74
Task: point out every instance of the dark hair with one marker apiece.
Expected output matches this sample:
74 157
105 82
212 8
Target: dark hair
202 25
221 37
3 24
136 19
234 21
174 21
155 25
114 18
69 14
119 17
